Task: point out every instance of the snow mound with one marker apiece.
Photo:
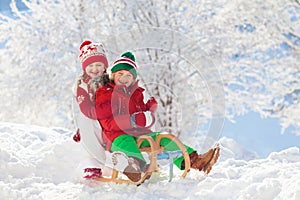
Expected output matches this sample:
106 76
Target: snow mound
231 149
42 163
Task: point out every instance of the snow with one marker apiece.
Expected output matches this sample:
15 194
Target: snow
44 163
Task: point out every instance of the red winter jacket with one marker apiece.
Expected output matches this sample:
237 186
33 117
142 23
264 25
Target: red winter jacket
114 105
84 101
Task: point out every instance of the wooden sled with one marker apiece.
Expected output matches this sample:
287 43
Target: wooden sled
154 152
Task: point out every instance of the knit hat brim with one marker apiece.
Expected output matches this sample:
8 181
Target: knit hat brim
123 66
96 58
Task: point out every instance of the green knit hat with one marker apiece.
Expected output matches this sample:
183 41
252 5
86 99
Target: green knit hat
127 62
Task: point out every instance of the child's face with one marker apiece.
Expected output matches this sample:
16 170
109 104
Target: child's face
95 69
123 77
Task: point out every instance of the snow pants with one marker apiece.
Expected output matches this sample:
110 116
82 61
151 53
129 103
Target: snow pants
127 144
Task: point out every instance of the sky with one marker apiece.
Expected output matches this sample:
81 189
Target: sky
4 5
260 135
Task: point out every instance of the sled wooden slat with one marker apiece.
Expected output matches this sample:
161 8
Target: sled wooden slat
153 150
181 147
152 153
153 164
106 179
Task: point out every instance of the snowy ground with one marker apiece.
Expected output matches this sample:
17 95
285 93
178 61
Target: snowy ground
42 163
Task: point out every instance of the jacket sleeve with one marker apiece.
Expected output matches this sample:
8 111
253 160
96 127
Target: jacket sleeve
86 106
107 112
138 99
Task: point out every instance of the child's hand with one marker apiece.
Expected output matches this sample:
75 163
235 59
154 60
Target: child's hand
142 119
151 105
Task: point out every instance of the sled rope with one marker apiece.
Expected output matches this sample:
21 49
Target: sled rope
170 156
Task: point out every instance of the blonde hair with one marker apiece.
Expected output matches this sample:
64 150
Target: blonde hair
112 76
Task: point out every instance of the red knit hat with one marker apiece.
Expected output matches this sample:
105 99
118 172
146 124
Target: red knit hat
127 62
92 52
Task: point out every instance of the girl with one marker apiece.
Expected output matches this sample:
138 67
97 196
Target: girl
94 64
123 115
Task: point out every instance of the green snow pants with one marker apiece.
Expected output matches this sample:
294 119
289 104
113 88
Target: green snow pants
127 144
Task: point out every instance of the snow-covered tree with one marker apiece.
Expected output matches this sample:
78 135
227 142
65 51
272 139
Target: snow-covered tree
173 67
254 44
261 58
39 60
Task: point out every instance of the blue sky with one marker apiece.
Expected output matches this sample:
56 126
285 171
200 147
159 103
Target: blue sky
4 5
260 135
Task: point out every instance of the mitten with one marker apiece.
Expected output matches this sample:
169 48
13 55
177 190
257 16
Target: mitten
86 106
151 105
141 119
76 137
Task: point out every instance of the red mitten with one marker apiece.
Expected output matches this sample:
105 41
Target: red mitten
141 119
151 105
86 106
76 137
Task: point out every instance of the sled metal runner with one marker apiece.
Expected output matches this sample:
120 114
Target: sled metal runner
155 152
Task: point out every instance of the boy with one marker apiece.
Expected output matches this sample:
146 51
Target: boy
123 115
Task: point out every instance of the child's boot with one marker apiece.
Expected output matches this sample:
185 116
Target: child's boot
204 162
133 171
92 173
